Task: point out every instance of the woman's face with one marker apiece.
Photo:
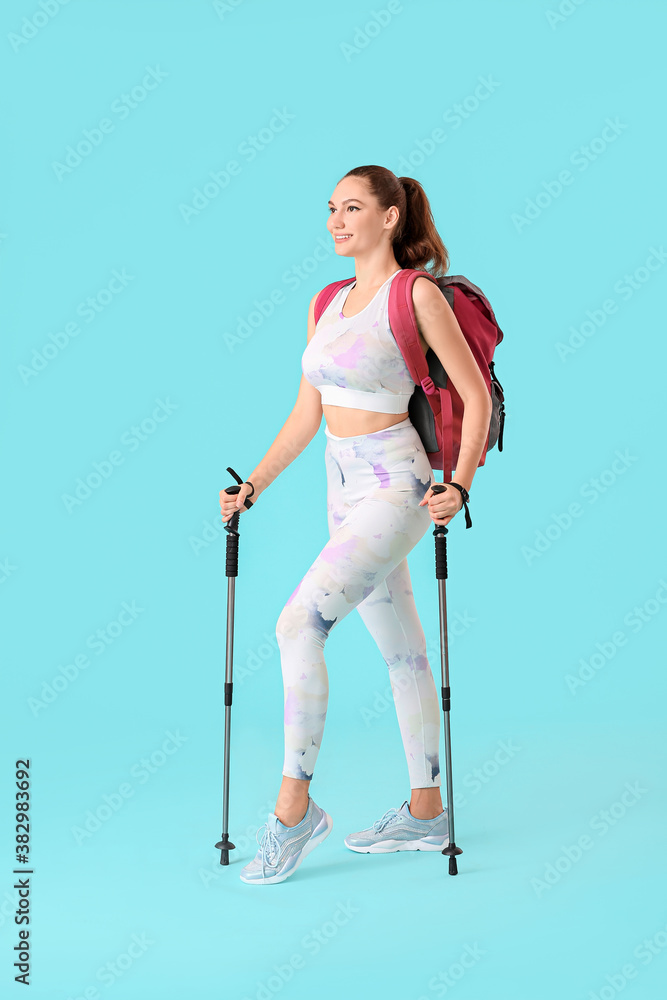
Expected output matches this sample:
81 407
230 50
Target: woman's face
356 221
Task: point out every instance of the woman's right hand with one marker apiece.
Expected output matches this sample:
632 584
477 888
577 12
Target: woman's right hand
230 503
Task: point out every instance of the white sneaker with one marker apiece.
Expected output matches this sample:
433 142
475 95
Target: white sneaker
283 848
399 830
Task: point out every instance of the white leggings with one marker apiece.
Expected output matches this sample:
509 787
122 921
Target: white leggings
374 484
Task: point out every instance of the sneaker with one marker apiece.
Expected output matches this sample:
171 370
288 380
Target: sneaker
399 830
283 848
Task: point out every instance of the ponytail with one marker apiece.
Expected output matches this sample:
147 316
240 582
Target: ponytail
416 242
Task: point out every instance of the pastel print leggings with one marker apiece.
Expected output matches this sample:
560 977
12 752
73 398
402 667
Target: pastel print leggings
374 485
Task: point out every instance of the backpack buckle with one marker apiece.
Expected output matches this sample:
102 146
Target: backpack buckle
428 385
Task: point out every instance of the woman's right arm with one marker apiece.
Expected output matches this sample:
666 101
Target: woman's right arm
298 430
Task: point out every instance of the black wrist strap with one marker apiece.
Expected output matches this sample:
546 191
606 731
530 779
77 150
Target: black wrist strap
465 496
248 483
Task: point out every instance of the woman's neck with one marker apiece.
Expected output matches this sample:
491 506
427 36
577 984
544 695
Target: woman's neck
371 274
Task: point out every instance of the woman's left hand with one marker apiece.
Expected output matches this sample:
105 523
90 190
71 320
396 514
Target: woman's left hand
442 506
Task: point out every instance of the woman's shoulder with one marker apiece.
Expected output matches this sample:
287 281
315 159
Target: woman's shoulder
425 289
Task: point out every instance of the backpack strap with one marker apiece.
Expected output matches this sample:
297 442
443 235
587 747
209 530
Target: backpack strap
403 323
326 296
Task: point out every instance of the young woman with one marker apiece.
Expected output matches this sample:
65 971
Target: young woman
379 505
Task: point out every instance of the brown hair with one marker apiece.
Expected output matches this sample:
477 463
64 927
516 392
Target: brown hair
416 242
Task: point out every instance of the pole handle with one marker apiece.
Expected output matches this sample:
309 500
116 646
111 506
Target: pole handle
440 532
232 529
237 489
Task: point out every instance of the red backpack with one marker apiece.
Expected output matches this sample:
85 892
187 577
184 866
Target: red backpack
435 407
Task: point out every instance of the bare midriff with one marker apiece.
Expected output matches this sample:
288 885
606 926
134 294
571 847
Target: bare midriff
346 421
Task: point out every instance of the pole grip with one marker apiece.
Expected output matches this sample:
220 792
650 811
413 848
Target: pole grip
232 555
232 529
440 533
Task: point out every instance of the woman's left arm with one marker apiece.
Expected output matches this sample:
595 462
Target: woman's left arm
440 329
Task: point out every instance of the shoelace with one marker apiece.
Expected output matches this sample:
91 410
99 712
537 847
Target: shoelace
390 815
269 847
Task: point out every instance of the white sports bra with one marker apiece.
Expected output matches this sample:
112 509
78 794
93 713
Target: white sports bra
355 360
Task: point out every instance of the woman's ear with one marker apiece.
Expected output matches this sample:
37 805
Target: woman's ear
391 219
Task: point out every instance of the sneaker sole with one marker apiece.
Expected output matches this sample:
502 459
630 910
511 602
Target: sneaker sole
399 845
310 844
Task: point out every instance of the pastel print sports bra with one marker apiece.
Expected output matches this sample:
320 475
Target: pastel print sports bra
355 360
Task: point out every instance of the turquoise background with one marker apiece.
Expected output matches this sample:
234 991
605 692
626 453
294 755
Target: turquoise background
536 595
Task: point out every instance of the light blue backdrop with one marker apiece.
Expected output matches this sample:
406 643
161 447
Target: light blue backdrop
154 308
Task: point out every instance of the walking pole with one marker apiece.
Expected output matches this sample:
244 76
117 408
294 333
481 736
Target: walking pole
440 532
232 571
